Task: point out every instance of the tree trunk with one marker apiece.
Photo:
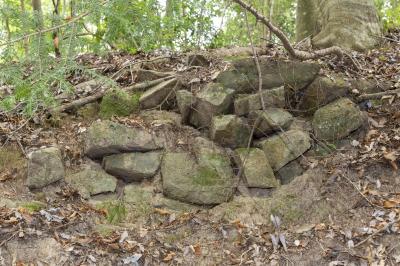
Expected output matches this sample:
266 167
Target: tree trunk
37 8
350 24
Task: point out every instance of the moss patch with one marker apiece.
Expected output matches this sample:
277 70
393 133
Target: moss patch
115 211
33 206
119 103
206 176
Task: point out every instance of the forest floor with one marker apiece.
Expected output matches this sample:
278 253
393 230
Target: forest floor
55 226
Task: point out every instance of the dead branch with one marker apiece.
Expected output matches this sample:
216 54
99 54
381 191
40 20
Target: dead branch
301 55
378 95
97 96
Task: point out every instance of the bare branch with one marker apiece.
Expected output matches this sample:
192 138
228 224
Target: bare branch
301 55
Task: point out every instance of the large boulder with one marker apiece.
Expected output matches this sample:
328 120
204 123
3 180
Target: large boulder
321 91
243 75
92 181
206 179
106 137
298 202
213 100
245 103
255 168
337 120
159 95
186 101
270 120
44 167
285 147
133 166
230 131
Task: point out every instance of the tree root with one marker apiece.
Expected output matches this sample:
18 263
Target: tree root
378 95
297 54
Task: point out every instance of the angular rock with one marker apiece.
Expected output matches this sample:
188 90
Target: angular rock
256 168
106 137
289 172
197 60
230 131
337 120
207 180
321 91
161 117
243 76
211 101
186 101
44 167
159 94
270 120
285 147
133 166
92 181
119 103
294 203
246 103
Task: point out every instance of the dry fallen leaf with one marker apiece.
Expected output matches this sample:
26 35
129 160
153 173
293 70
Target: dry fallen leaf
170 256
197 249
162 211
391 157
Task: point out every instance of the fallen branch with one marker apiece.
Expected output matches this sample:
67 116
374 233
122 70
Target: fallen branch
97 96
378 94
301 55
386 227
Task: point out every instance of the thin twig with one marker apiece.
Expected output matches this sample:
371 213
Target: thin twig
358 190
377 232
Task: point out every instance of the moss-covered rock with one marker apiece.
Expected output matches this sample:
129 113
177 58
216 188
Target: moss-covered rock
245 103
285 147
91 181
321 91
117 102
337 120
206 179
294 203
230 131
256 168
186 101
133 166
243 75
270 120
106 137
211 101
45 166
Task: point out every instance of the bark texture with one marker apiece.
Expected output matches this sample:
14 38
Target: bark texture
350 24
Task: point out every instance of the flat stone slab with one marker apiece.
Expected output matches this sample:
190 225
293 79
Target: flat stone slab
256 168
44 167
133 166
92 181
106 137
283 148
159 94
